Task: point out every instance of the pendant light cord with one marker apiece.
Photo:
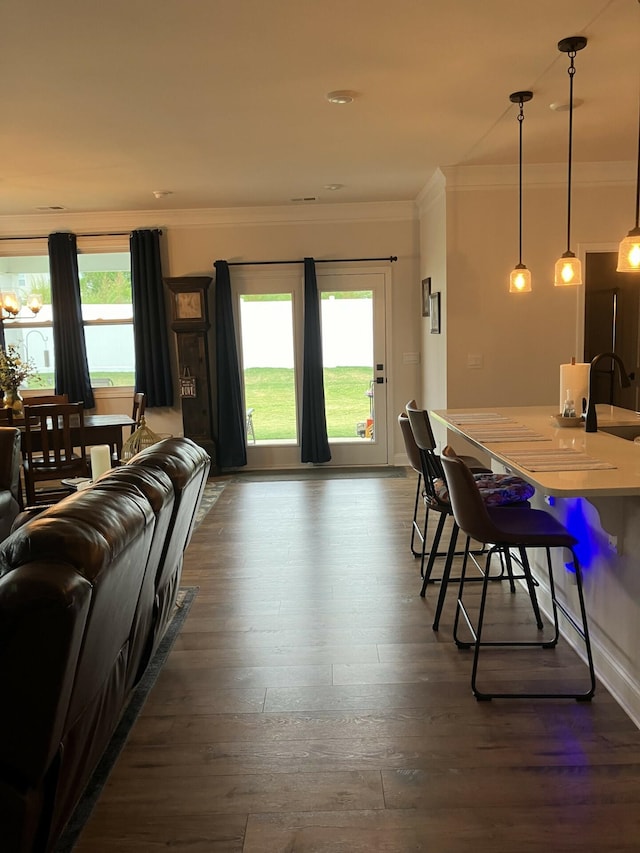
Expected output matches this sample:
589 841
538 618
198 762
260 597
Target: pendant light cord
520 121
571 72
638 178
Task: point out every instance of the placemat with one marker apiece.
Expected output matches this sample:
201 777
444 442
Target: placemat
558 460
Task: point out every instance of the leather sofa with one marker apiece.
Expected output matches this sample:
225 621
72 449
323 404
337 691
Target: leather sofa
10 488
87 589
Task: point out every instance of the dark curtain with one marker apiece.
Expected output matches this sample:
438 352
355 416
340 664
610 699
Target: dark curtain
72 367
315 443
150 335
232 448
3 342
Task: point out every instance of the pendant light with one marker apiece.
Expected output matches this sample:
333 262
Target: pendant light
520 278
568 271
629 249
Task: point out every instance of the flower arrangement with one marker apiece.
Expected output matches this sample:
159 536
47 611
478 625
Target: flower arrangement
13 369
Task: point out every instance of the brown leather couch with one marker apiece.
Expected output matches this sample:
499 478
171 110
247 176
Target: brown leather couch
10 488
87 588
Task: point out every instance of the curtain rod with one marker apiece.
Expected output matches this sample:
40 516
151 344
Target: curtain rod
391 259
102 234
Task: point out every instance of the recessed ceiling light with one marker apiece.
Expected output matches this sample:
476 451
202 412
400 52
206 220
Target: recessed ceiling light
563 106
341 96
333 187
162 193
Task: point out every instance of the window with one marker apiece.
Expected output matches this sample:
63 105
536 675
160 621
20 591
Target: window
107 313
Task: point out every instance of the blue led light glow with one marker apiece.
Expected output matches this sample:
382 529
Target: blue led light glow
582 521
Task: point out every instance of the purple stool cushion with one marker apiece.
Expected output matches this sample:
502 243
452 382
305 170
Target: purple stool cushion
496 489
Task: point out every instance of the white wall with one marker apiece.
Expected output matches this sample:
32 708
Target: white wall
194 239
520 339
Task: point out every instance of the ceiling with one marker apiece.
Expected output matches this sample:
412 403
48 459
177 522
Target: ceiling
223 103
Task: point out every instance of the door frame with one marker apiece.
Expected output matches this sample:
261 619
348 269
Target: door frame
287 455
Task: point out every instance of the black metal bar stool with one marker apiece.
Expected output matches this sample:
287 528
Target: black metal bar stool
509 530
499 488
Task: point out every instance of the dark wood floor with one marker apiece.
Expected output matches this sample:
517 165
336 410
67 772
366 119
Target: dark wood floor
308 705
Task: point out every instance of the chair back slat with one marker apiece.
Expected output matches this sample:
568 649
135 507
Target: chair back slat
54 444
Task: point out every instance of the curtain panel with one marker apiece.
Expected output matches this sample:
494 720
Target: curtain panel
232 448
314 440
71 364
150 334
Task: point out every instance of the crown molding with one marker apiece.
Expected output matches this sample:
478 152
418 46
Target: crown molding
127 220
432 192
539 174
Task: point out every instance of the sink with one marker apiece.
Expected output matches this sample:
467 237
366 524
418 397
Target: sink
627 432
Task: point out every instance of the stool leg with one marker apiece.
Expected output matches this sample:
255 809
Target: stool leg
415 528
585 631
478 632
433 553
461 644
530 584
445 576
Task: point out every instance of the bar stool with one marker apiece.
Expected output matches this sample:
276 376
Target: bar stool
507 530
497 489
418 531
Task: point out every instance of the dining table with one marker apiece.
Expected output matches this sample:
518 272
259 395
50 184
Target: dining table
99 429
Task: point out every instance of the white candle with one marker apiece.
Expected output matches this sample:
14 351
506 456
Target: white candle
100 460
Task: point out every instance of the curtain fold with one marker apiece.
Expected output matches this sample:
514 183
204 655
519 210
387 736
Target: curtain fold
150 335
71 364
314 439
232 448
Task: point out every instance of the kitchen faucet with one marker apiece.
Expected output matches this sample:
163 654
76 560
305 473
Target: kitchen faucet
591 420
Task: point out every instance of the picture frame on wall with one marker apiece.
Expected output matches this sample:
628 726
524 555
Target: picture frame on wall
434 313
426 293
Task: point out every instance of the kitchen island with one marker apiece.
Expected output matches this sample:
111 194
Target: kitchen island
591 483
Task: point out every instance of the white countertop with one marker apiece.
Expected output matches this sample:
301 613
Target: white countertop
599 447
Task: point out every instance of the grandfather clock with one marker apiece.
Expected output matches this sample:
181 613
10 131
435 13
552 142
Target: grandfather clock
190 322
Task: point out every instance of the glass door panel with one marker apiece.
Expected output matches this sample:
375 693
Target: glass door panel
347 349
266 321
353 314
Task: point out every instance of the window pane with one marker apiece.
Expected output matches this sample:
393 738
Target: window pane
268 360
347 349
25 283
105 290
107 311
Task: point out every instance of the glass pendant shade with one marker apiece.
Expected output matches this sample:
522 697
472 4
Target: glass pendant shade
629 252
568 269
568 272
520 279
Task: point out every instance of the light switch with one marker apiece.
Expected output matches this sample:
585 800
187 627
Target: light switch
474 360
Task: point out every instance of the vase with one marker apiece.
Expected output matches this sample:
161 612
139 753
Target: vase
12 400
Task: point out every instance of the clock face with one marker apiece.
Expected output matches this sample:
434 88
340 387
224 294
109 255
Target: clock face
188 306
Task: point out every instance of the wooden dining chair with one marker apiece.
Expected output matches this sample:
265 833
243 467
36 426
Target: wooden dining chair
46 399
137 413
6 417
53 450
